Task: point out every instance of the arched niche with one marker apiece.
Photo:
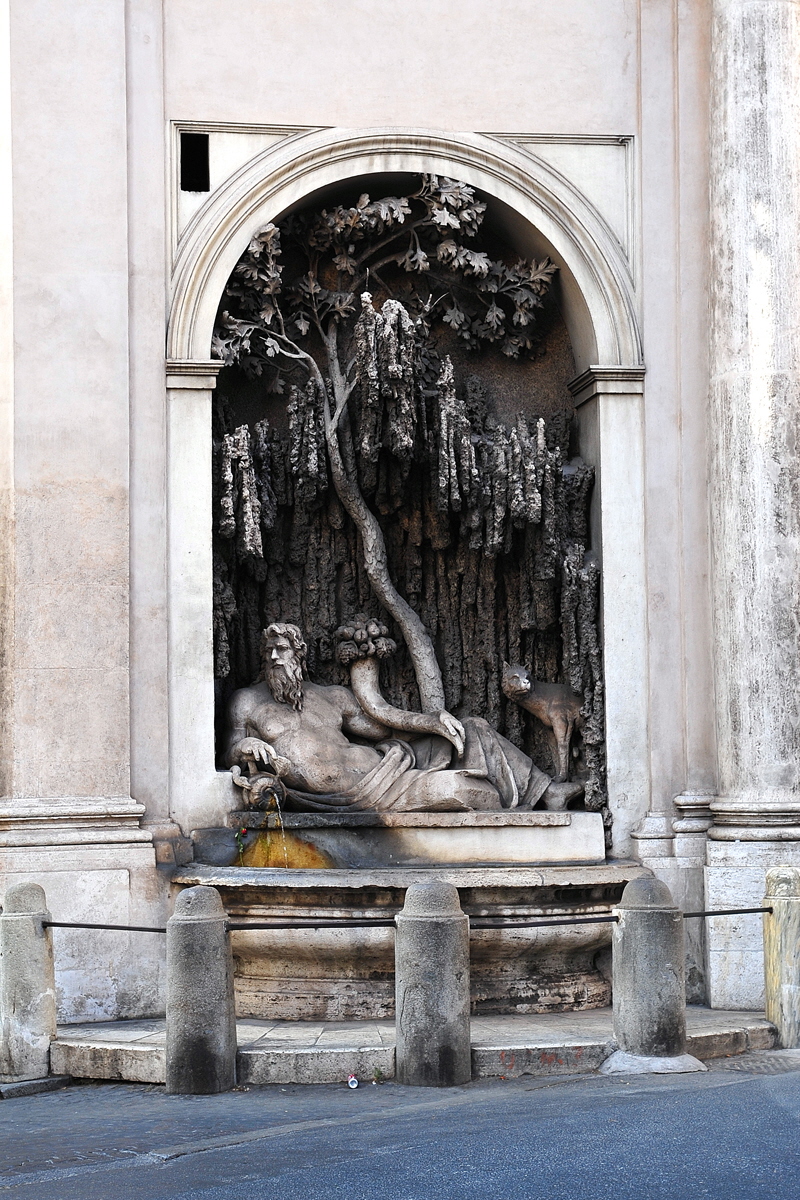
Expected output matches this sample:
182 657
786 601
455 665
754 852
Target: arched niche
540 213
544 212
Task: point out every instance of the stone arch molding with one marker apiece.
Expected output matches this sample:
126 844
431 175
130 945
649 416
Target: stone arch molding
596 279
599 309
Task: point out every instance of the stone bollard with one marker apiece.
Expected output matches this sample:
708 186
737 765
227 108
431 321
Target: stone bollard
782 954
201 1021
432 988
27 985
648 982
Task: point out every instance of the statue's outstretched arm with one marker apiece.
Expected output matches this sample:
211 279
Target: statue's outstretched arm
360 647
364 680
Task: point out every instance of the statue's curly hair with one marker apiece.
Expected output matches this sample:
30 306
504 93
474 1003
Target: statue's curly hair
293 636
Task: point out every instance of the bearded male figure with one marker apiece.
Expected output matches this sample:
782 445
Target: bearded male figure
304 733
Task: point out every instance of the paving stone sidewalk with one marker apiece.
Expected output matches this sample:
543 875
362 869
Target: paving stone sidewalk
327 1052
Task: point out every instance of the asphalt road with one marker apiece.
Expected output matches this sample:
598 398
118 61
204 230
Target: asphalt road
731 1134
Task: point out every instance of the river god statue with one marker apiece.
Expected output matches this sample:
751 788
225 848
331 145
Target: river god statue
315 739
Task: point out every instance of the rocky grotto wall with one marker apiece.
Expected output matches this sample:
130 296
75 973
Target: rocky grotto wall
468 457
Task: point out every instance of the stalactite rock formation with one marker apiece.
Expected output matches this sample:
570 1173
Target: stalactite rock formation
479 526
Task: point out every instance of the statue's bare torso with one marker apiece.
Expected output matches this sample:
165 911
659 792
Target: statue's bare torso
314 741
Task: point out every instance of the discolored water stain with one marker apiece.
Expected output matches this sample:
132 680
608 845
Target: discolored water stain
274 848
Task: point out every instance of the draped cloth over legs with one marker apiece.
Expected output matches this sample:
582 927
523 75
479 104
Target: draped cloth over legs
425 776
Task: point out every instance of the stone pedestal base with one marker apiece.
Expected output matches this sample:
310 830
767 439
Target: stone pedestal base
674 849
308 840
100 975
735 877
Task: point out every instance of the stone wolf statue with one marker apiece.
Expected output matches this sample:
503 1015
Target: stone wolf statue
555 705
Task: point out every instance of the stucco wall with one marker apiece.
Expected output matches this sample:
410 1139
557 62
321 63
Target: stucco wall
551 66
96 90
91 275
69 656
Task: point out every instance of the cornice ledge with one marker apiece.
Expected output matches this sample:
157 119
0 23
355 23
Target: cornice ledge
607 381
191 375
56 820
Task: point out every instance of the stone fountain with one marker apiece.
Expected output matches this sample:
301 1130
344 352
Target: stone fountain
402 563
299 745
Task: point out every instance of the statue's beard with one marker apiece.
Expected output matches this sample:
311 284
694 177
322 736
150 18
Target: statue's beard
286 684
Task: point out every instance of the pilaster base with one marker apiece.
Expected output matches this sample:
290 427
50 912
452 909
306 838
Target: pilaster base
674 850
735 877
774 818
96 865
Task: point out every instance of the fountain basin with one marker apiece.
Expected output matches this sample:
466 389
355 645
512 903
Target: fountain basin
348 973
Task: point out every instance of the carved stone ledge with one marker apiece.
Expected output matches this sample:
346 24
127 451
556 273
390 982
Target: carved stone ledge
398 820
695 813
607 381
691 828
70 821
192 376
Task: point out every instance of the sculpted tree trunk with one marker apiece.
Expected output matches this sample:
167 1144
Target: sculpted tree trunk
420 646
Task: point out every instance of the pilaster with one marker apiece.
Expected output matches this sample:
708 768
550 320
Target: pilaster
609 400
754 472
199 796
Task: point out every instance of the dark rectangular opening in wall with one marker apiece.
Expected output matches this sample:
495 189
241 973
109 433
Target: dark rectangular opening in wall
194 162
